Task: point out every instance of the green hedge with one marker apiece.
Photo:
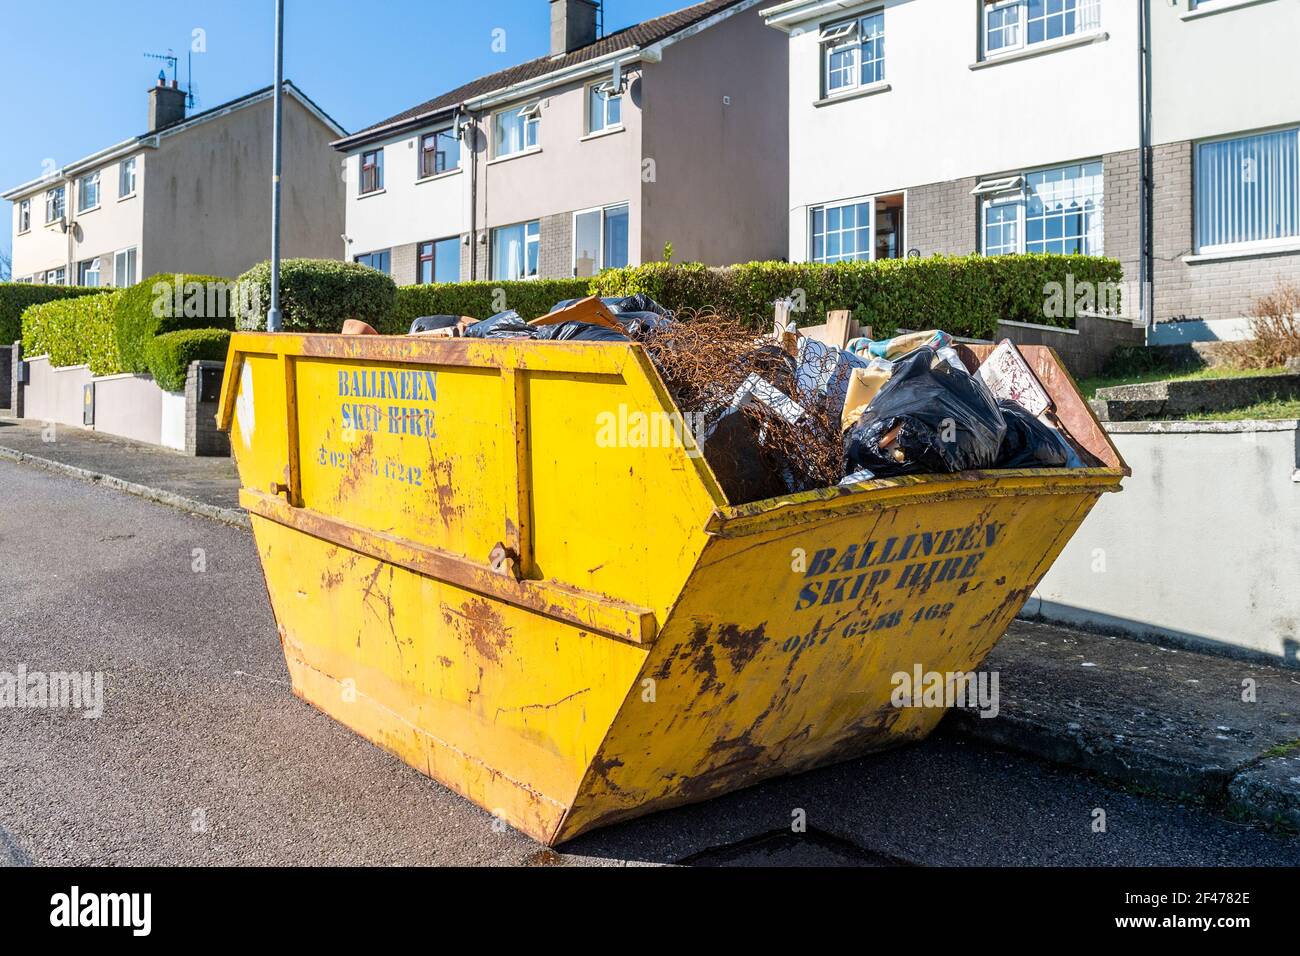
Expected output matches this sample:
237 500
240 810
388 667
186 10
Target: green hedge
530 298
965 295
168 303
74 332
169 355
317 295
15 297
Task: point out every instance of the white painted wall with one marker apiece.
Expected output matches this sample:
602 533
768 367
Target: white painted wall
116 224
54 394
408 210
130 406
1223 66
940 120
1202 545
173 420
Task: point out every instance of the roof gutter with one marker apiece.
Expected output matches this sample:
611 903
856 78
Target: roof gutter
538 84
381 132
68 172
783 16
495 97
151 140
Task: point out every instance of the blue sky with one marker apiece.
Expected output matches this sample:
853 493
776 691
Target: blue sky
77 90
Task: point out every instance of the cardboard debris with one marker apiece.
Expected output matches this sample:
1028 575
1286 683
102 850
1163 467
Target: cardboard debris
590 310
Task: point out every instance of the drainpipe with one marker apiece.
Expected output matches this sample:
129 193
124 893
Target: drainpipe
1146 245
472 129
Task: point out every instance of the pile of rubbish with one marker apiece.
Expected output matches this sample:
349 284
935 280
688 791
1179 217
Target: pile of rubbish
787 413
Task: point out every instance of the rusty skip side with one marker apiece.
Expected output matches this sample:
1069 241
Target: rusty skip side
479 563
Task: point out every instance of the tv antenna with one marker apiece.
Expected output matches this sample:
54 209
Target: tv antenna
172 60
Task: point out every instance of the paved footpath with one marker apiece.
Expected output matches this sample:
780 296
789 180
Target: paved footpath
207 486
203 755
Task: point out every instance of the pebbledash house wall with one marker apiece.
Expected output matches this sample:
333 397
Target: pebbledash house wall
946 132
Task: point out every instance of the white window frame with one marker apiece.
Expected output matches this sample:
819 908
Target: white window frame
529 240
126 174
846 35
57 276
87 268
24 216
999 200
1022 30
1262 245
607 88
83 182
130 258
51 204
530 113
840 204
602 253
1002 191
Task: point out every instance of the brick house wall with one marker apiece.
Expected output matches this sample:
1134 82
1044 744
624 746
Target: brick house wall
1207 289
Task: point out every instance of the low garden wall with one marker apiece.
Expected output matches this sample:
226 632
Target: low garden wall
1201 548
126 405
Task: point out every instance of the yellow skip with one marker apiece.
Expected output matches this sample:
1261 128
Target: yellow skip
495 560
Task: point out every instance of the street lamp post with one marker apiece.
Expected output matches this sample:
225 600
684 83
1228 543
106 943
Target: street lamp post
273 314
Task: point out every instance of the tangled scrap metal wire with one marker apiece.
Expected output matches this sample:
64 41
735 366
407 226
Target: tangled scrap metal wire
705 359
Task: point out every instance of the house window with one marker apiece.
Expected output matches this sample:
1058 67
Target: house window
1248 190
859 230
124 268
126 178
372 171
514 131
604 108
55 276
439 152
515 250
88 192
599 240
1057 210
853 53
439 261
88 273
25 215
1015 24
380 260
54 204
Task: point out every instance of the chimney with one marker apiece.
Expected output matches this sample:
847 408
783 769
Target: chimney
166 105
573 24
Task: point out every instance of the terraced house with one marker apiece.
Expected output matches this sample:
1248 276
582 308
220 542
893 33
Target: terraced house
596 155
1164 133
190 194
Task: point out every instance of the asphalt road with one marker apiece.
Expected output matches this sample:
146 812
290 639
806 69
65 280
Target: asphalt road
203 755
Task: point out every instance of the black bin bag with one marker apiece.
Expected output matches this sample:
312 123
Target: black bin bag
431 323
580 332
930 417
503 325
1028 442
